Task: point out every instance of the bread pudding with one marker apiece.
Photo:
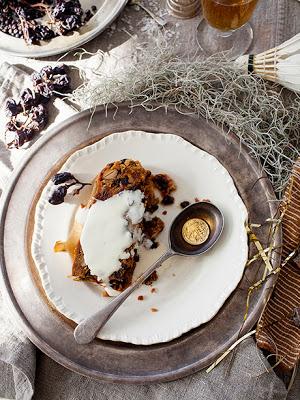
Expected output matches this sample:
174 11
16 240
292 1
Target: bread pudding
117 219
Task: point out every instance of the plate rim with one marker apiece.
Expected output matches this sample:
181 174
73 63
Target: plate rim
34 336
37 235
54 52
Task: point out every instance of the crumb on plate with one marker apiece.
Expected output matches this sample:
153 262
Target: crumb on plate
184 204
152 278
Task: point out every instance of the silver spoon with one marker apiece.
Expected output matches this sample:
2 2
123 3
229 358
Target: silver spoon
209 223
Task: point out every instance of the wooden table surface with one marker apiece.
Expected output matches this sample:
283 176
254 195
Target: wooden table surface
291 18
273 22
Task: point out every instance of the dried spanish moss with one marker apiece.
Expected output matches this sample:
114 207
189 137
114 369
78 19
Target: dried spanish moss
264 118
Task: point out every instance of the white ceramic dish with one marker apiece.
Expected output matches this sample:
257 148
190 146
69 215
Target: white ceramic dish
190 291
107 11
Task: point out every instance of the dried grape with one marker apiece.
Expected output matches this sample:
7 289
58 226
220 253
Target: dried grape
29 115
58 195
12 108
69 180
62 177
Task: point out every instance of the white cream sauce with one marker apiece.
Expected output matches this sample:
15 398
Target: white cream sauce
107 231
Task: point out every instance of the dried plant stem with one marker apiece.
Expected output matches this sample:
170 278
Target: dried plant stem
261 251
257 285
266 121
229 350
258 255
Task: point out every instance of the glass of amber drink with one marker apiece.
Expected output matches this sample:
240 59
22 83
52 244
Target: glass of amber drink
225 26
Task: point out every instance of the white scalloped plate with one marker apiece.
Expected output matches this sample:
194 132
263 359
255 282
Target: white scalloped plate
107 11
190 290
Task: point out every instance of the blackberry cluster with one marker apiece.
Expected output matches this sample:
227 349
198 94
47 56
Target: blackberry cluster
10 26
29 115
22 18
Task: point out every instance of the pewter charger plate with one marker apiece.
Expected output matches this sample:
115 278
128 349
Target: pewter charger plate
52 332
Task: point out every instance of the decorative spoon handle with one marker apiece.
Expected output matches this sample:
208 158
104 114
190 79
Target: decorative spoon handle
87 330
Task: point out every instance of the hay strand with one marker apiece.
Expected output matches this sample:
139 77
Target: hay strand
266 121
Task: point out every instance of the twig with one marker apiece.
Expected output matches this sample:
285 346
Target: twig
229 350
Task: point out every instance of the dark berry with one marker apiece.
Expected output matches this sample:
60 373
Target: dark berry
125 180
46 71
88 16
152 208
61 83
39 118
18 136
45 90
154 245
42 32
161 182
12 108
29 35
184 204
28 13
24 135
58 11
36 78
9 25
167 200
60 69
28 98
71 22
44 99
50 79
58 195
62 177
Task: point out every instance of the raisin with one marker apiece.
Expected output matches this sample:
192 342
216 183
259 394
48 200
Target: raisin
184 204
167 200
62 177
125 180
152 208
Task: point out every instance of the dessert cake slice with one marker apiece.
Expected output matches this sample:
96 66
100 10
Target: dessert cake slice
127 186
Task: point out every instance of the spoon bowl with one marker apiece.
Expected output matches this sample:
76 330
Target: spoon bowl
204 211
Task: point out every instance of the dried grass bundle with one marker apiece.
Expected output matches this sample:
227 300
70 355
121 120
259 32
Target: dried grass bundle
265 119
